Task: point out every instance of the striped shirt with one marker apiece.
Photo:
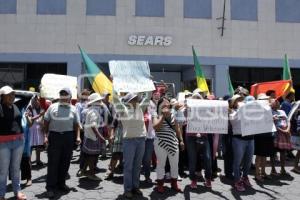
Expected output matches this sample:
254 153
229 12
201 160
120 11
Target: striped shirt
167 136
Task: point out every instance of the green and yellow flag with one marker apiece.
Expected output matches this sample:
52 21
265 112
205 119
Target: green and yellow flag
286 75
97 78
286 69
201 81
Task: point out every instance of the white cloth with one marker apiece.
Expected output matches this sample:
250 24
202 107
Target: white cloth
92 119
162 155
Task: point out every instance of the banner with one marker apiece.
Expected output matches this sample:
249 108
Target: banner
131 76
252 118
51 84
207 116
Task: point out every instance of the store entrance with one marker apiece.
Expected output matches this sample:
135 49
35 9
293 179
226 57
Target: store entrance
25 75
247 76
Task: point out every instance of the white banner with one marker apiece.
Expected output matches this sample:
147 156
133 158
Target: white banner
253 118
51 84
207 116
131 76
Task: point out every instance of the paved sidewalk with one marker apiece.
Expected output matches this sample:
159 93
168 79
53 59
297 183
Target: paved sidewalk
287 187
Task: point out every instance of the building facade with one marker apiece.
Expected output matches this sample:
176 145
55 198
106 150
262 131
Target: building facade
42 36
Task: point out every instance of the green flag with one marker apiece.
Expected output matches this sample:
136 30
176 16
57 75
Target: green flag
230 87
97 78
286 69
201 81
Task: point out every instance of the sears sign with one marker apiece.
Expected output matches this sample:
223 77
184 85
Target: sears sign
143 40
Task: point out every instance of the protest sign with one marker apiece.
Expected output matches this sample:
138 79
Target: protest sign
131 76
252 118
51 84
207 116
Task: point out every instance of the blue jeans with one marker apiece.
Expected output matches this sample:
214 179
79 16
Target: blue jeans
194 149
243 151
11 156
149 148
133 152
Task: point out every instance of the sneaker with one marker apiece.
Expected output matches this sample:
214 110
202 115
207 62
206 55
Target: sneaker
246 182
207 183
179 178
239 186
94 177
193 185
128 195
137 192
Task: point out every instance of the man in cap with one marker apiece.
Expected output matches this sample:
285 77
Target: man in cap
61 122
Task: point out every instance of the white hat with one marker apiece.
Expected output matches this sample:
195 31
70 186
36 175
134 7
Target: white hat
262 96
6 90
94 98
129 96
173 101
197 95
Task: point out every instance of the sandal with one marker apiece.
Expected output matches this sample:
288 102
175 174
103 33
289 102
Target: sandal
21 196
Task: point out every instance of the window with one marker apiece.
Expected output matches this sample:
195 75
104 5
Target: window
244 10
197 9
101 7
8 6
51 7
150 8
287 11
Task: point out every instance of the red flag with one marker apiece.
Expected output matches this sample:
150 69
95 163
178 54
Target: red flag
281 88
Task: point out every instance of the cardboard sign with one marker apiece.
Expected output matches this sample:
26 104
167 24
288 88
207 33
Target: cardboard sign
252 118
131 76
207 116
51 84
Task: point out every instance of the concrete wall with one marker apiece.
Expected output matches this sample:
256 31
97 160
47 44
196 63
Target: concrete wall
27 32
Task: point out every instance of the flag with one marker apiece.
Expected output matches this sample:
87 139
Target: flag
230 87
201 81
286 69
281 88
97 78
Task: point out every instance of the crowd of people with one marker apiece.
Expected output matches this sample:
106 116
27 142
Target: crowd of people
142 131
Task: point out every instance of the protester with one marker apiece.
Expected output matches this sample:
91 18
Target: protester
93 135
286 105
282 137
131 112
62 123
243 149
197 143
295 138
264 147
11 142
35 118
166 143
149 147
116 138
227 145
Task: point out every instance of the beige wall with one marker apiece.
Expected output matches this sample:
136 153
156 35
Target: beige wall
28 32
